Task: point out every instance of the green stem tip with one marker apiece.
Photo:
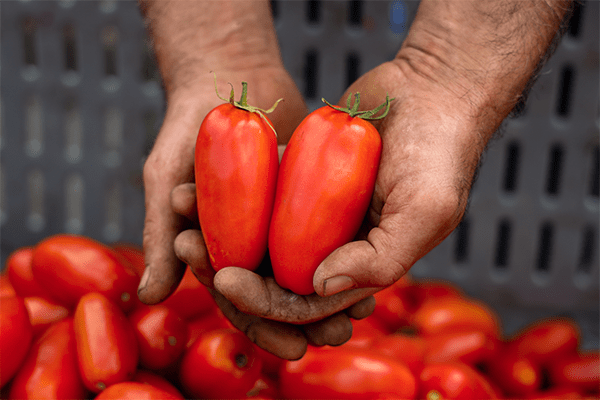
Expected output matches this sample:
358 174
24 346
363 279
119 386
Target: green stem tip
243 103
369 115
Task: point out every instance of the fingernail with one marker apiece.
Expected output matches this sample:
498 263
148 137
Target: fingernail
337 284
144 280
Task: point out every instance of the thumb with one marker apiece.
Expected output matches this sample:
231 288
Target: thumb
359 264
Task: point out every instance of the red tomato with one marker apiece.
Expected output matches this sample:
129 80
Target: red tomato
270 362
453 380
50 370
136 391
425 290
406 348
547 339
236 164
365 330
161 335
107 349
346 373
556 393
220 364
191 299
70 266
153 379
470 347
43 312
324 187
6 288
264 388
18 269
452 314
516 375
132 253
16 334
391 309
580 370
208 322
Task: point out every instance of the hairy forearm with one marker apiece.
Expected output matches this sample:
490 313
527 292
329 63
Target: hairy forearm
193 37
484 52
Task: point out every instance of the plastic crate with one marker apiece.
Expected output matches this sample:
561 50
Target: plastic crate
81 103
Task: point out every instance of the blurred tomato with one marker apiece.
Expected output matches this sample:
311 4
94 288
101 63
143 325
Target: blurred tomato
156 380
43 312
136 391
220 364
546 339
16 335
391 309
424 290
70 266
50 370
556 393
191 298
18 269
161 334
454 314
470 347
133 254
516 375
6 288
581 371
107 349
454 380
346 373
365 330
409 349
270 362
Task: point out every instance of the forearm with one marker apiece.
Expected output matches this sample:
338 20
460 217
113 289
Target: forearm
483 52
193 37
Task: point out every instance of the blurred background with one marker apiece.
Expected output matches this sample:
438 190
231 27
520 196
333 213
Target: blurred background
81 103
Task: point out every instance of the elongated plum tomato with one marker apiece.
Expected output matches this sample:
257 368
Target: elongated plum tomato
236 163
324 187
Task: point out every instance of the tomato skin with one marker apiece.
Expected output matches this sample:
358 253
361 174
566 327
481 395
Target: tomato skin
423 291
18 269
191 299
409 349
346 373
324 187
133 254
63 264
454 380
153 379
471 347
581 370
221 363
517 375
205 323
365 330
107 349
236 162
556 393
6 288
44 312
16 335
50 370
135 391
161 335
454 314
391 309
546 339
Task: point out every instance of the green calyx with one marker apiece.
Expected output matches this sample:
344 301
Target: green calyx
243 103
369 115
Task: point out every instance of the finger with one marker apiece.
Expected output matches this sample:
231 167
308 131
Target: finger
334 330
190 248
255 295
284 340
163 270
362 309
183 201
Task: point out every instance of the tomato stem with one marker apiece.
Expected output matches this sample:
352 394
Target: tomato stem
243 103
352 108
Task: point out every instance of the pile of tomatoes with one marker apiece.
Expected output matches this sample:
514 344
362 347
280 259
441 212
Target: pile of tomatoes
72 328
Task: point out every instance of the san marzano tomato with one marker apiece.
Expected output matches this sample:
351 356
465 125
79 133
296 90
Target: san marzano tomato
236 163
324 187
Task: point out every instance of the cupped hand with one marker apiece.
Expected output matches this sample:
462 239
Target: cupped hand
431 149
